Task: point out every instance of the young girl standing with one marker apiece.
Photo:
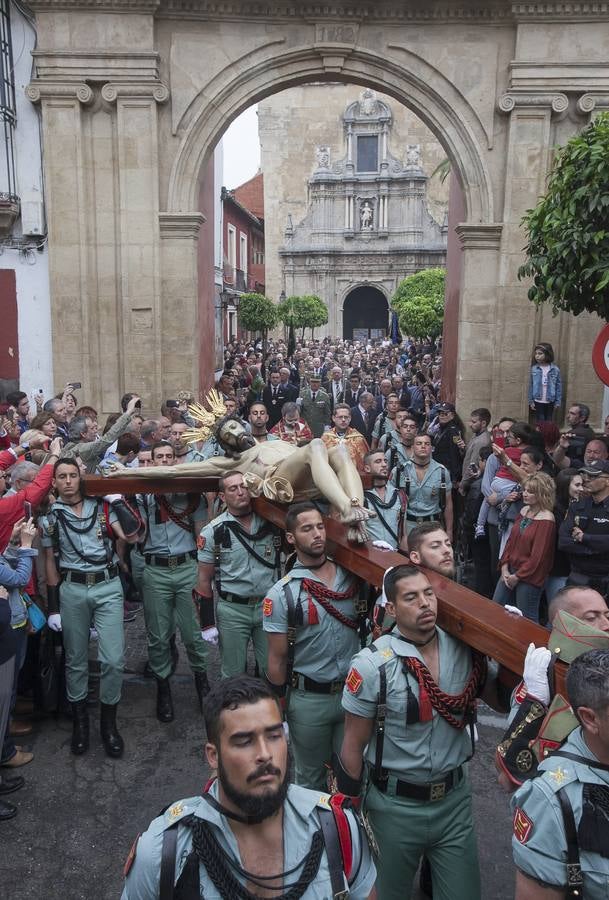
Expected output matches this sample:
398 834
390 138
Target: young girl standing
545 387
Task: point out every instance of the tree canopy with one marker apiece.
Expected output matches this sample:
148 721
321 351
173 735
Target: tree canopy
568 231
257 313
419 303
307 311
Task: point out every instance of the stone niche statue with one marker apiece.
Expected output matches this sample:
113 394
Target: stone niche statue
413 156
323 157
366 216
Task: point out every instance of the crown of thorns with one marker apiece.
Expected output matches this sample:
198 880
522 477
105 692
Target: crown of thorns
207 417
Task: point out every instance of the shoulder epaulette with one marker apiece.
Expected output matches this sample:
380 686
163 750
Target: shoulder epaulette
178 811
286 578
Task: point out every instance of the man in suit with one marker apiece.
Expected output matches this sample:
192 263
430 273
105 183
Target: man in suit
385 388
402 390
273 397
315 406
355 389
289 390
363 416
336 387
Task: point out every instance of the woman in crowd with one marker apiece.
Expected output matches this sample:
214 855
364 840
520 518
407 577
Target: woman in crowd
529 554
569 487
45 422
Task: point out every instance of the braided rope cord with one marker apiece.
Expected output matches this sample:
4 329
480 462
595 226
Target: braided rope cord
324 595
218 866
446 704
180 517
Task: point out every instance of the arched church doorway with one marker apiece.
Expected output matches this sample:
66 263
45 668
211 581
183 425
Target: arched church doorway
365 314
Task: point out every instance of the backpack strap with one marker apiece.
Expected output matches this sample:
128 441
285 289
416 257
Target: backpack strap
381 714
575 880
291 609
168 863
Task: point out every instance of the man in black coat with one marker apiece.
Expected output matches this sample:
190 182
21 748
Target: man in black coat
363 416
274 396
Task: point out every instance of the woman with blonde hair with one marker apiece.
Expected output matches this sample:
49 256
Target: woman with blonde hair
529 553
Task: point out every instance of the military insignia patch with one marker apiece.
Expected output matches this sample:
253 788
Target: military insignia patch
131 858
523 826
353 681
559 776
267 607
175 811
387 653
200 542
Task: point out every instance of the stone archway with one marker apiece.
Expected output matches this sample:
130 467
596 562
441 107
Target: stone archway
365 314
136 93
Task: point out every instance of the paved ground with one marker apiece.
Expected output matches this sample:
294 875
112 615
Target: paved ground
78 815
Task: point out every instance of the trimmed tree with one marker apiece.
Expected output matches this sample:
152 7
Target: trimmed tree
307 311
419 303
568 231
257 314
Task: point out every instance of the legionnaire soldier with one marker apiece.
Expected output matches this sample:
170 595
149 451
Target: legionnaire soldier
258 418
170 552
386 501
400 444
428 487
314 619
561 827
84 589
251 833
410 701
241 554
386 421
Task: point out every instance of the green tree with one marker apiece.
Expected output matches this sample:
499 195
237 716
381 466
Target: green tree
419 317
307 311
568 231
258 314
419 303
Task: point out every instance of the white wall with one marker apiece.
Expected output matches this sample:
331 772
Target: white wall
30 265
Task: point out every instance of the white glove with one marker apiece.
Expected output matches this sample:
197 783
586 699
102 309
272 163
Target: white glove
112 498
210 635
382 545
535 675
513 610
54 622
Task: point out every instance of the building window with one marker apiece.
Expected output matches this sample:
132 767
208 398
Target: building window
243 253
231 250
8 183
367 153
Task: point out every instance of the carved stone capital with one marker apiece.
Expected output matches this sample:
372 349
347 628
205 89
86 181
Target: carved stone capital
587 103
48 90
479 237
147 90
558 102
183 226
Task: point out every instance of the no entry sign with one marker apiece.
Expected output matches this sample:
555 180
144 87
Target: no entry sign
600 355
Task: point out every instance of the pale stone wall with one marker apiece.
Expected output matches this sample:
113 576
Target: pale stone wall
296 121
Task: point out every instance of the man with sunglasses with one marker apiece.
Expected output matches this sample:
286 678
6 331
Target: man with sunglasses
584 533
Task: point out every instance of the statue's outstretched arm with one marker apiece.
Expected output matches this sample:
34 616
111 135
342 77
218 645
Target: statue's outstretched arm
209 468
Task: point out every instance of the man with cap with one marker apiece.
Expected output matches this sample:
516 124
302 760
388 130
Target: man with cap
315 406
584 533
448 443
560 824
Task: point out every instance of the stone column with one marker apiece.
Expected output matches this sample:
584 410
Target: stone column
74 356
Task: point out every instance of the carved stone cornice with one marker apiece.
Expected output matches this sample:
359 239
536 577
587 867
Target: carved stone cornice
181 225
53 90
561 11
147 90
479 237
128 6
587 103
558 102
103 65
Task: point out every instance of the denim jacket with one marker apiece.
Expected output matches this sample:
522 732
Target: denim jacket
554 394
15 572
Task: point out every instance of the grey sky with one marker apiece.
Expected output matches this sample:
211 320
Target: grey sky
241 149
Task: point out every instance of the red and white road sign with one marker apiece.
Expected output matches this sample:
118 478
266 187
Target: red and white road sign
600 355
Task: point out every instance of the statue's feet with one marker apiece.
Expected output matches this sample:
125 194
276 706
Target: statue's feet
113 469
356 513
357 534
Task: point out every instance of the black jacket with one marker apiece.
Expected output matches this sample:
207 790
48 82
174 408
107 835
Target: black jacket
591 556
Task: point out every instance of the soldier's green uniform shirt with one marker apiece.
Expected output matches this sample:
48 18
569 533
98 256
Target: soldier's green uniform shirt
387 423
390 509
424 496
240 572
299 825
164 536
401 457
538 843
94 544
426 750
324 646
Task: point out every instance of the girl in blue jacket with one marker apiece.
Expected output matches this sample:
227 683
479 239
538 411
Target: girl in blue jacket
545 386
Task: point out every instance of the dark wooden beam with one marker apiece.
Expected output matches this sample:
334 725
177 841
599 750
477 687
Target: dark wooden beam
474 619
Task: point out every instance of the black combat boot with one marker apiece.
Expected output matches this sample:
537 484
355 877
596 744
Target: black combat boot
111 739
80 728
164 704
202 686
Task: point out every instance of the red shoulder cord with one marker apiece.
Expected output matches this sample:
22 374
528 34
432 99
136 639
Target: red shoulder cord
430 695
344 832
323 595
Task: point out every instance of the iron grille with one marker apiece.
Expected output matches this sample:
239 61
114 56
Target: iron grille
8 111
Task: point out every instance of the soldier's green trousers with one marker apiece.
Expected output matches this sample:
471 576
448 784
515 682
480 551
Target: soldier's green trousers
168 599
100 606
316 723
237 623
442 829
138 567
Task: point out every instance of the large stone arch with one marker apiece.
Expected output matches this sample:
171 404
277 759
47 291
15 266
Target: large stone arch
408 78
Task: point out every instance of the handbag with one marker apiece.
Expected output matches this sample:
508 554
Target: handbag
36 617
